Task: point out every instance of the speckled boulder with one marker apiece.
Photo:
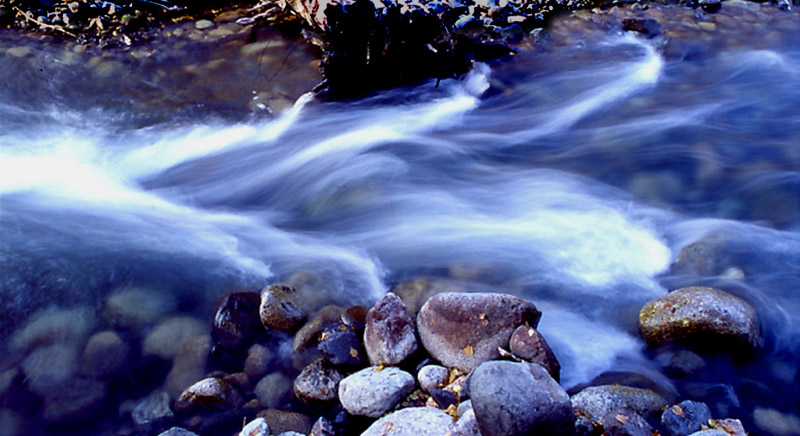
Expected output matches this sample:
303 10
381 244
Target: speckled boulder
464 330
528 344
281 308
412 421
511 399
599 401
705 315
389 335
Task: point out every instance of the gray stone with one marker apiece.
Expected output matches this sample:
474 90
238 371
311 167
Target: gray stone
464 407
389 335
511 398
203 24
208 395
47 368
281 308
272 389
168 336
48 327
75 401
152 414
188 366
137 307
467 425
599 401
626 422
465 330
373 391
776 423
412 421
105 355
685 418
702 314
731 426
309 334
528 344
177 431
256 364
432 376
319 381
322 427
280 421
256 427
709 433
342 346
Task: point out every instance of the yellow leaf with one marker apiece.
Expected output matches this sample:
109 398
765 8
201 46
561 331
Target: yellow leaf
622 419
469 350
676 409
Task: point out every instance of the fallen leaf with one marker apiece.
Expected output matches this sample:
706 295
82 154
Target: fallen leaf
469 350
353 353
622 419
676 409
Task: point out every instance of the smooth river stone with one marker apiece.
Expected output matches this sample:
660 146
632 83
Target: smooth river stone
389 335
464 330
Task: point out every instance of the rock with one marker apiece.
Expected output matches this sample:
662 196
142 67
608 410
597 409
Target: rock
709 256
341 345
188 366
710 5
48 368
309 334
137 307
256 365
389 336
464 330
280 421
152 414
208 395
645 26
372 391
528 344
464 407
256 427
625 422
281 308
415 293
177 431
432 376
704 316
50 327
685 363
511 398
775 422
318 381
272 389
685 418
599 401
710 433
236 323
168 337
105 355
467 425
203 24
323 427
239 381
354 316
291 433
74 401
412 421
730 426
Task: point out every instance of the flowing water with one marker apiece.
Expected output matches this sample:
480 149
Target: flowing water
571 175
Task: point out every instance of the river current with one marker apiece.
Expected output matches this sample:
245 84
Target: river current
571 175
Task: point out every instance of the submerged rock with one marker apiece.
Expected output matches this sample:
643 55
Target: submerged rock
704 316
48 368
137 307
152 414
511 398
528 344
389 335
105 355
236 322
74 402
318 381
281 308
167 338
272 389
415 293
50 327
412 421
188 366
464 330
373 391
257 362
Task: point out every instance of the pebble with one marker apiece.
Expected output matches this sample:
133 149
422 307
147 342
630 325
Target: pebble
280 421
53 327
323 427
167 338
177 431
256 427
374 391
463 330
389 334
272 389
210 394
152 414
685 418
256 365
599 401
188 366
319 381
702 314
341 346
47 369
412 421
528 344
19 52
74 401
776 423
309 334
236 322
281 308
432 376
511 398
105 355
137 307
203 24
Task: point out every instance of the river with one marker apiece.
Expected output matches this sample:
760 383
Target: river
572 175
